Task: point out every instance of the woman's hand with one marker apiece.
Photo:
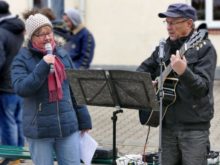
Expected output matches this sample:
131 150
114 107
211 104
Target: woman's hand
49 58
84 131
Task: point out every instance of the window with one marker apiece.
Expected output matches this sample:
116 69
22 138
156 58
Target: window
37 3
208 12
40 3
216 13
199 5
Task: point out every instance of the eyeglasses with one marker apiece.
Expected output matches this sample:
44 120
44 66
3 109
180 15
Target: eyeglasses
174 22
43 35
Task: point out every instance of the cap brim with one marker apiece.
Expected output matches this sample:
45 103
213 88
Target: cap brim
168 14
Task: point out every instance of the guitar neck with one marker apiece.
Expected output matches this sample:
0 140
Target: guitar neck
168 69
166 72
196 40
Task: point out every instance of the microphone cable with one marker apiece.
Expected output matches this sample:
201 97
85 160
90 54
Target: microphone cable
144 157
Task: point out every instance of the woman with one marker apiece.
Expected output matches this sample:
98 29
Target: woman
51 123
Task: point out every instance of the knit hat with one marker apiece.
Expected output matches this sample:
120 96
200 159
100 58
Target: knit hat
74 16
34 22
4 8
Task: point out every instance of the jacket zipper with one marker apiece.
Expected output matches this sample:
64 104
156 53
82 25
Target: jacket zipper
58 117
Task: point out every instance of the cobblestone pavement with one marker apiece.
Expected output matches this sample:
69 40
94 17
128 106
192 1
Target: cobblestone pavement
131 135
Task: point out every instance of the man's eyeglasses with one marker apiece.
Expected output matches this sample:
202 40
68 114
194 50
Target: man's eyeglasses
171 23
43 35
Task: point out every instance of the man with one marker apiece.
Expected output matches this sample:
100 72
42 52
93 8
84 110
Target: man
185 133
11 39
81 44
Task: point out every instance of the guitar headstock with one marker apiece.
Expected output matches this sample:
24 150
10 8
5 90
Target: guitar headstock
197 40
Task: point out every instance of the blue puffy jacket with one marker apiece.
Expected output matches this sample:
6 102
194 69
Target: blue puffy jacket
41 118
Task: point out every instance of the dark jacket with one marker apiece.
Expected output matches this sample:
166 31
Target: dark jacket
194 105
11 39
41 118
81 47
61 34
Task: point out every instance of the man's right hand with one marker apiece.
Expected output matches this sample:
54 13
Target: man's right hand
154 83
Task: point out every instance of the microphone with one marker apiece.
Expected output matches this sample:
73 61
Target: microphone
161 48
49 50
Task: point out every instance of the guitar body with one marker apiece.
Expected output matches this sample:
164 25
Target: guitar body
169 97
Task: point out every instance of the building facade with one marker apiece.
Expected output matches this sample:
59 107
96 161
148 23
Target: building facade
127 31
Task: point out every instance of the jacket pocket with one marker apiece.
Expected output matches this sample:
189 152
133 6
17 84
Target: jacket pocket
203 108
33 122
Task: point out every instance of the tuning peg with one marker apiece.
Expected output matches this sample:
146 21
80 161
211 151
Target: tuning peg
197 47
204 43
201 45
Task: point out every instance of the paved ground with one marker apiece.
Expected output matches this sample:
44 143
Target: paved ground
131 135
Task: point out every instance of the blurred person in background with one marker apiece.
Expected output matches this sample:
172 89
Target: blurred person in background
11 39
81 44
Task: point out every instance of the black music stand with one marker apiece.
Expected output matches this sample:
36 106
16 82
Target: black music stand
113 88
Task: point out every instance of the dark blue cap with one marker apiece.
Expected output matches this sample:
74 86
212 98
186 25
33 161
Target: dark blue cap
179 10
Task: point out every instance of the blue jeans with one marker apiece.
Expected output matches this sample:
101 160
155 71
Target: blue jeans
66 149
185 147
11 120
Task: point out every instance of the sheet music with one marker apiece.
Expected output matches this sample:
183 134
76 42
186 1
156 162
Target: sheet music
88 147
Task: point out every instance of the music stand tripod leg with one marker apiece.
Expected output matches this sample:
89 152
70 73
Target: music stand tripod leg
113 88
114 120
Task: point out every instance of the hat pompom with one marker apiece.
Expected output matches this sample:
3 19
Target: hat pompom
34 22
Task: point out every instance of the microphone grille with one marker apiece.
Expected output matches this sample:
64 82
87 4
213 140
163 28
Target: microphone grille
48 46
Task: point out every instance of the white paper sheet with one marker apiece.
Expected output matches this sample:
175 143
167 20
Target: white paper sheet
87 148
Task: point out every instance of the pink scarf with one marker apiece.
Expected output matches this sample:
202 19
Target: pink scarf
55 81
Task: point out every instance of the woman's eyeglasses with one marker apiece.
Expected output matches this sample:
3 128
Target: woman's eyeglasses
43 35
